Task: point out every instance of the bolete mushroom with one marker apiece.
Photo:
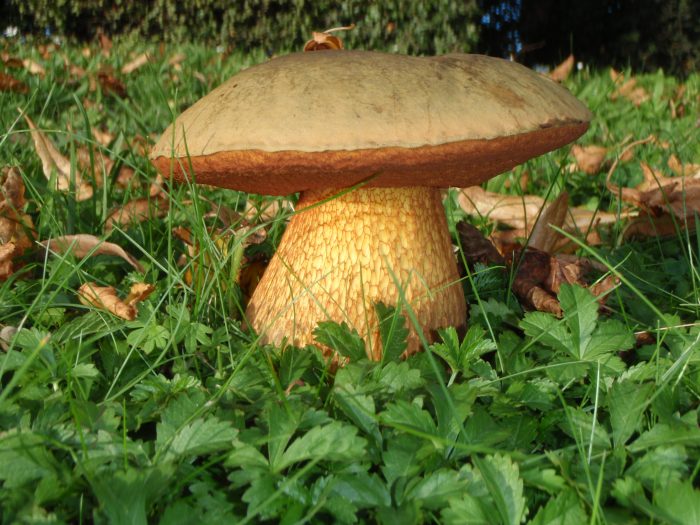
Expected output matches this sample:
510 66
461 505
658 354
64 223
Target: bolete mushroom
397 127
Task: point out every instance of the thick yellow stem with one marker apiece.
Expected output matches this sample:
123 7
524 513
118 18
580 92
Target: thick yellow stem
341 255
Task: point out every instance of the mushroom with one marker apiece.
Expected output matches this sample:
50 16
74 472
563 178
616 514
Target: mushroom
368 139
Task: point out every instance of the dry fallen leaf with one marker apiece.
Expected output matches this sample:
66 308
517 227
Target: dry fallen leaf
658 194
106 298
7 333
135 64
589 159
325 40
628 89
683 170
11 61
16 228
563 70
543 236
269 210
111 84
177 59
105 43
102 136
83 245
52 161
521 212
33 67
10 83
135 211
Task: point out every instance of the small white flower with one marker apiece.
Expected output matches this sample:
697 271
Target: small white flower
579 66
10 31
220 49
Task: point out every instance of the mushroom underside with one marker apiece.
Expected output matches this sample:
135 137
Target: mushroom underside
344 251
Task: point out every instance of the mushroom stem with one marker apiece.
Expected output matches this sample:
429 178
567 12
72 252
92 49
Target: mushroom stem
346 253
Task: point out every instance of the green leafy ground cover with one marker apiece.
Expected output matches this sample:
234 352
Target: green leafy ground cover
180 416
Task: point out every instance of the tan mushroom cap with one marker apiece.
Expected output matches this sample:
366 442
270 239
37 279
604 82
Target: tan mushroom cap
332 119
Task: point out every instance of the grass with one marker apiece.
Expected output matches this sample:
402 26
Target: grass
180 416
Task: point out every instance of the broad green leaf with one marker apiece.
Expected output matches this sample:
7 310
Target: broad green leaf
547 330
662 434
362 489
502 478
293 364
360 409
468 511
332 442
436 488
340 338
137 487
282 423
399 376
680 501
627 402
201 436
392 331
610 337
565 509
660 466
580 309
408 416
24 457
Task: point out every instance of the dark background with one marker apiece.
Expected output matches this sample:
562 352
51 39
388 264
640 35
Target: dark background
642 34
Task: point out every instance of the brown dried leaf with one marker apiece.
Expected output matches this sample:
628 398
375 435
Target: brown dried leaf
628 89
8 252
325 40
102 136
52 161
84 245
136 63
106 298
521 212
589 159
563 70
10 83
177 59
33 67
683 170
543 236
135 211
476 248
111 84
11 61
7 333
16 228
105 43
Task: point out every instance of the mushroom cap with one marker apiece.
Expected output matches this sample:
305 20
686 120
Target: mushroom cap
333 119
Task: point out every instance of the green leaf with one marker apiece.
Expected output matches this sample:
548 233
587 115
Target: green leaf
360 409
502 478
332 442
627 402
663 434
201 436
660 466
460 356
24 457
137 487
293 364
680 501
436 488
409 416
392 331
565 509
580 309
341 339
362 489
467 511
